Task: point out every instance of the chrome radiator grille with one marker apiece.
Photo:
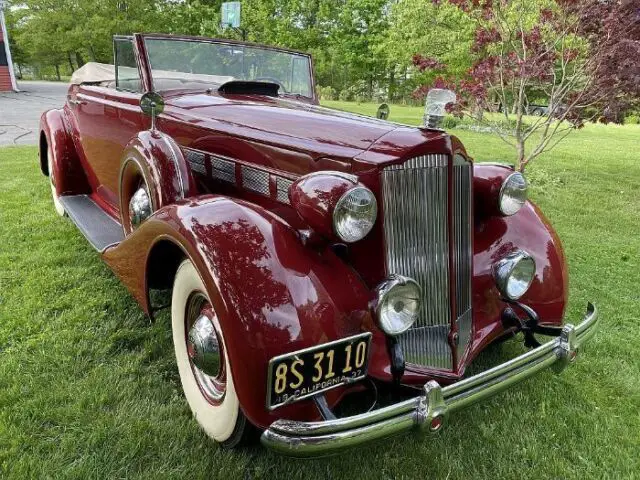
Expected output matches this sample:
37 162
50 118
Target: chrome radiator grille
417 236
462 248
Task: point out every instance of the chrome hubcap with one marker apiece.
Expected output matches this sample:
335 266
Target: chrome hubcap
139 207
205 349
203 346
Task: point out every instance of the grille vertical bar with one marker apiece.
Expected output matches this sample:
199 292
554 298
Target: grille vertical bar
416 230
462 248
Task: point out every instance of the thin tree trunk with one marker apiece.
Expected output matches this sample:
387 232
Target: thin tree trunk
58 72
370 86
520 151
79 60
70 62
479 114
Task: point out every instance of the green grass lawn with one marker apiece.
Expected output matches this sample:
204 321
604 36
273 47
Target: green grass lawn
89 387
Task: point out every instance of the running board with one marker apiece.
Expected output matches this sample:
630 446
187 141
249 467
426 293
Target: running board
95 224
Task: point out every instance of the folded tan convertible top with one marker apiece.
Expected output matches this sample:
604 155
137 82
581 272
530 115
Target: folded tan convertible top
94 72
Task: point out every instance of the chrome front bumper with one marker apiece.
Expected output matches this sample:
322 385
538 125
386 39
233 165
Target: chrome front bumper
428 411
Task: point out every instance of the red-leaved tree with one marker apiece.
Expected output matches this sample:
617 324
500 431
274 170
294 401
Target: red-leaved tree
579 57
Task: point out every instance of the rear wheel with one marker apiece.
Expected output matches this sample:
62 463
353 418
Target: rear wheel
52 182
203 363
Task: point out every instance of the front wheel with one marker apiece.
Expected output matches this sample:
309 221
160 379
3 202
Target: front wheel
203 363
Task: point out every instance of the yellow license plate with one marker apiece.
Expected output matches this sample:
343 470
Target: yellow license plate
302 374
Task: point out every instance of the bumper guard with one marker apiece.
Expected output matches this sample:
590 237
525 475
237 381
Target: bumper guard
429 410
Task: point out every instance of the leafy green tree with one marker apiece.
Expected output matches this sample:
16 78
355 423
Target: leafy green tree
438 31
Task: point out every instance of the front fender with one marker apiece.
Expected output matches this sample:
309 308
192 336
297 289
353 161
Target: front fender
273 295
494 238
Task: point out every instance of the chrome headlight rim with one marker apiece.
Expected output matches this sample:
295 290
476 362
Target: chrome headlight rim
340 204
385 289
504 269
505 184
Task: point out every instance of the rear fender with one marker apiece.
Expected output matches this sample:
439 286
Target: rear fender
55 140
272 294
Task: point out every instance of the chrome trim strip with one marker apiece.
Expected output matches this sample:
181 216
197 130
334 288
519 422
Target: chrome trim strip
306 439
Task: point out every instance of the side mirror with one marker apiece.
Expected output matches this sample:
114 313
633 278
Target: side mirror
152 104
383 112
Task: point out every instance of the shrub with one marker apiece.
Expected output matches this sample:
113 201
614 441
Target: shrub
346 95
632 120
326 93
450 122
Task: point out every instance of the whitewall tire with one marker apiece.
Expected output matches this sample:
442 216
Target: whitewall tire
52 183
212 399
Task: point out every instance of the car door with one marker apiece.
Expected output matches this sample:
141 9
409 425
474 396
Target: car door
107 117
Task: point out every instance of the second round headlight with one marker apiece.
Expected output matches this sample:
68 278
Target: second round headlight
399 303
514 274
513 194
355 214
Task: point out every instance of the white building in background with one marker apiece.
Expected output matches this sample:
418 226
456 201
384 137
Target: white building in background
7 76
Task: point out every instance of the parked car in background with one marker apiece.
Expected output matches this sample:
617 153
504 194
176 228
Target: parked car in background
312 255
537 110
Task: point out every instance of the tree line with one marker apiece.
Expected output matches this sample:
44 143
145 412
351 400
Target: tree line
573 60
362 48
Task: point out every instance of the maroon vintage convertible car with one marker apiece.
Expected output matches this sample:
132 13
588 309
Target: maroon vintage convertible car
311 254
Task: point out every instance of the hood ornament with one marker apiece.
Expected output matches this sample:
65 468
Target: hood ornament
434 110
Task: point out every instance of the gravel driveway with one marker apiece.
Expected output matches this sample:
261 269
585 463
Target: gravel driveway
20 111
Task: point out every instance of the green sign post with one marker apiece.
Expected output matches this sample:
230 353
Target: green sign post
231 14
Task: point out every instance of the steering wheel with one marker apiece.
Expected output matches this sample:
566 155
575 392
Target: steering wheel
272 80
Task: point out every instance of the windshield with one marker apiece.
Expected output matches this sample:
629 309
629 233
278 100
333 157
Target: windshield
192 63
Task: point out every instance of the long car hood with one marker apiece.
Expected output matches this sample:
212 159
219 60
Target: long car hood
279 120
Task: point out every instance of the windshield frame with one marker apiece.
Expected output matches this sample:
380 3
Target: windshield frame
145 64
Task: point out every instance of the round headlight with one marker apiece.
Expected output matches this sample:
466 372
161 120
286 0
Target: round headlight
354 214
513 194
514 274
399 302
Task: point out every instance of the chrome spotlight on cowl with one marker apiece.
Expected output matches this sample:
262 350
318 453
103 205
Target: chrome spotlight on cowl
139 207
435 107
